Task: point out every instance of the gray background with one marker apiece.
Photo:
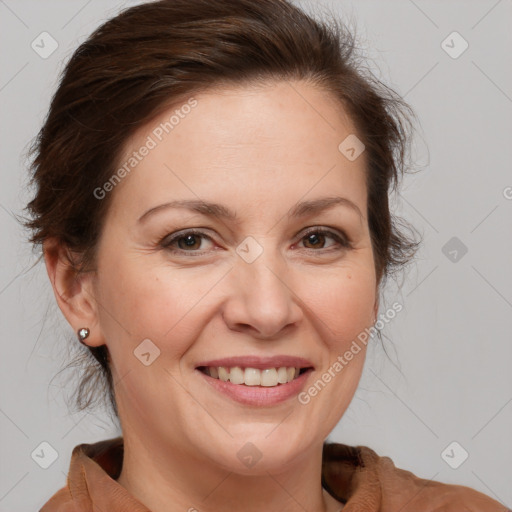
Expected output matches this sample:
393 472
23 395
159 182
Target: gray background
448 374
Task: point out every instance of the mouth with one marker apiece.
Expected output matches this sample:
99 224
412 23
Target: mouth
255 377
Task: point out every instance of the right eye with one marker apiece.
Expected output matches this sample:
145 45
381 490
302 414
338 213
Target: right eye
187 242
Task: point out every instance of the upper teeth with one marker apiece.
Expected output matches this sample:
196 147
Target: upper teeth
253 376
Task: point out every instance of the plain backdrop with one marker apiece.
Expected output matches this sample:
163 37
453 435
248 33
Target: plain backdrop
442 395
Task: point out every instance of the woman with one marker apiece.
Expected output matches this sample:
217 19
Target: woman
212 201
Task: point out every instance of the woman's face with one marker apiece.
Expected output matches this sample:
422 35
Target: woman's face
284 279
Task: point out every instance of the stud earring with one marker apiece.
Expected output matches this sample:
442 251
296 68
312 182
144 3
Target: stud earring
83 334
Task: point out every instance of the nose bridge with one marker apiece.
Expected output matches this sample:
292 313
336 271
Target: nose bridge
266 273
263 270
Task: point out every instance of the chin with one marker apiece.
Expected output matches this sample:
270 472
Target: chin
259 454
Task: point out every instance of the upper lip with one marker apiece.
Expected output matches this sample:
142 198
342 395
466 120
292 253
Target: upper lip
259 362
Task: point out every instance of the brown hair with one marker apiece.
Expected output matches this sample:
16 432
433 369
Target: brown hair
149 56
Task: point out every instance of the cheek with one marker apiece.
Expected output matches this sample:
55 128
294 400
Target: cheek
342 309
344 302
156 303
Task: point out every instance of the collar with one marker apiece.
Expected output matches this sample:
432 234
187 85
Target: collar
355 476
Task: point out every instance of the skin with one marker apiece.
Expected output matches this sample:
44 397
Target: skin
257 150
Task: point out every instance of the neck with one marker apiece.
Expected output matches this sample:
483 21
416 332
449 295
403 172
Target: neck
171 480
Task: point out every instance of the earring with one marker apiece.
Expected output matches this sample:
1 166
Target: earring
83 333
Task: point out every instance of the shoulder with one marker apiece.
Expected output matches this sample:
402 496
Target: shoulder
92 467
61 501
375 483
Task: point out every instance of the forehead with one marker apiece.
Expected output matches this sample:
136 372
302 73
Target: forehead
237 143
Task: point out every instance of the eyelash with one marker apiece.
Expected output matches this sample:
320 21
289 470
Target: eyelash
167 242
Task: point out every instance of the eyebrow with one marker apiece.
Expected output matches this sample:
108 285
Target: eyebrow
219 211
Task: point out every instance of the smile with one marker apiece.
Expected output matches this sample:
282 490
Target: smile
254 386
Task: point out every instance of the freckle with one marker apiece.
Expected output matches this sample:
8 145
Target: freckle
349 276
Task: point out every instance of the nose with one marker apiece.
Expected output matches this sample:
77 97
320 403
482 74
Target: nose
261 300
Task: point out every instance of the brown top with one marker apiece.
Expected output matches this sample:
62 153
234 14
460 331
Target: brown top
356 476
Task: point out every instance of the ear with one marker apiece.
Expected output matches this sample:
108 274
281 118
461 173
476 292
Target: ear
74 291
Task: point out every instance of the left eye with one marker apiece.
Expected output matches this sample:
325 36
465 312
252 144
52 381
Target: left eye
317 238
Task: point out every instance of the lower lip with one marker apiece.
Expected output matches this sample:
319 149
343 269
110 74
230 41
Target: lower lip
259 395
